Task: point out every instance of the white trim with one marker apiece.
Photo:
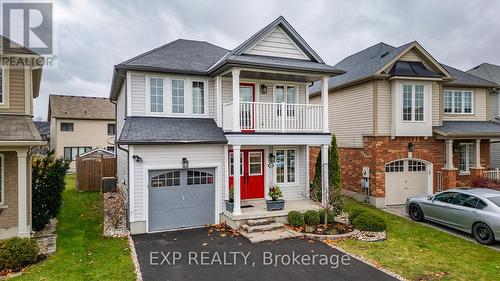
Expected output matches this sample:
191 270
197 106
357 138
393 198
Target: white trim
285 149
413 101
131 183
2 179
205 97
242 157
453 91
5 90
250 162
128 93
468 165
148 95
218 90
226 172
285 93
22 193
277 139
307 171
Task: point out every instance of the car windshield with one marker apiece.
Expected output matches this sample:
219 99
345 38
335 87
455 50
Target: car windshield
495 200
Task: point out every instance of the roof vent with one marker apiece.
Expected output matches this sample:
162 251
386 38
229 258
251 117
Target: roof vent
384 54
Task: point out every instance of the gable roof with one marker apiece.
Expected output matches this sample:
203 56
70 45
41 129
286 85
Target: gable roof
488 71
80 107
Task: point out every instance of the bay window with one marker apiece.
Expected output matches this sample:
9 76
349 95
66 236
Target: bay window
413 102
467 157
458 102
155 95
286 161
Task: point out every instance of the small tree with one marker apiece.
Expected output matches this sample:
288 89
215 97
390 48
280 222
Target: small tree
334 202
48 184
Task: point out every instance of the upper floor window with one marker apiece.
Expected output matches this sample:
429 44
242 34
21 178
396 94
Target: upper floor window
67 127
286 94
456 101
413 102
198 97
111 129
155 95
178 96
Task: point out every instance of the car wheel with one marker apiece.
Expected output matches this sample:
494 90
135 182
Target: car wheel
416 213
483 233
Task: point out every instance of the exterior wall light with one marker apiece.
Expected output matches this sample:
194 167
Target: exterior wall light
411 147
185 163
137 158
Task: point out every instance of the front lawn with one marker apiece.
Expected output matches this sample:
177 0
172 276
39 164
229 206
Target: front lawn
418 252
82 253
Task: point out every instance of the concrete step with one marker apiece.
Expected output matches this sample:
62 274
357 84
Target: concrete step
273 235
262 228
260 221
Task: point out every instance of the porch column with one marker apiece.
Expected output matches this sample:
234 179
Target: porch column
236 100
324 102
236 180
22 195
324 175
449 155
478 154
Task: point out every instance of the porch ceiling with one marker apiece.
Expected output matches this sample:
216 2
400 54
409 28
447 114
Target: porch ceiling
266 74
278 138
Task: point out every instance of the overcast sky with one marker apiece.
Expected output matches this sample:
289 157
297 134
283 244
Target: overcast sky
94 35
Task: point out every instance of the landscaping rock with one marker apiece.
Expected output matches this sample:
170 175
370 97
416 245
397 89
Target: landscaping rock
109 230
370 236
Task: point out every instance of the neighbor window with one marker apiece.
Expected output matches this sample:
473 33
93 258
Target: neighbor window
413 102
177 96
156 95
67 127
70 153
285 165
1 179
198 97
458 101
467 157
111 129
110 148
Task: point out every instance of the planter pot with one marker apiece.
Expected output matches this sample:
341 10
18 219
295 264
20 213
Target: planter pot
275 205
229 206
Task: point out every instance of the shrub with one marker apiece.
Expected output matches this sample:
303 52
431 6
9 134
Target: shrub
48 184
311 218
354 213
485 183
295 219
369 222
16 253
331 216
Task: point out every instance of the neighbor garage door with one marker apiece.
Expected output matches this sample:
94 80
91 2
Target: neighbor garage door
405 178
181 198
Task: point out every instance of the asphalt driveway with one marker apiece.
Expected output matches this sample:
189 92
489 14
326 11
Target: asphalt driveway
198 254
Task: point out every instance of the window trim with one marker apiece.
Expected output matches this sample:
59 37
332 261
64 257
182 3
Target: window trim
72 126
285 95
413 107
187 90
114 133
468 165
452 91
285 167
250 162
2 179
205 96
148 94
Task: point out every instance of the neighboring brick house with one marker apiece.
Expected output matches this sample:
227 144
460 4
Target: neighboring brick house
19 85
418 125
80 124
491 72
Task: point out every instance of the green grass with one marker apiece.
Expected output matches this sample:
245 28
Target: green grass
82 252
416 251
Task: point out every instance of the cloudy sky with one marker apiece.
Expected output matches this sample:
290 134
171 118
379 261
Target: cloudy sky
94 35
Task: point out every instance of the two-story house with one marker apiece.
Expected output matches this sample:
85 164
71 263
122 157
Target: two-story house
189 112
416 126
19 85
79 124
491 72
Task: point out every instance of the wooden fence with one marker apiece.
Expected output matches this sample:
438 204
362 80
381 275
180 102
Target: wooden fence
91 170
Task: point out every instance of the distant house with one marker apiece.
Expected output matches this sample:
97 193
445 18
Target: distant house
491 72
43 128
80 124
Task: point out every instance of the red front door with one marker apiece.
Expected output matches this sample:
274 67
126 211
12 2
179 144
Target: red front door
252 173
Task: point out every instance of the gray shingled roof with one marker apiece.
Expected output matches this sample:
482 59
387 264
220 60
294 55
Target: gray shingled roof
466 79
468 129
81 107
171 130
18 128
488 71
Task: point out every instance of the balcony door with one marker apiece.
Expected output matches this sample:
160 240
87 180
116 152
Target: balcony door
247 96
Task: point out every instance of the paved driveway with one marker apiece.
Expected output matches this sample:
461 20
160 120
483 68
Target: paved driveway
196 255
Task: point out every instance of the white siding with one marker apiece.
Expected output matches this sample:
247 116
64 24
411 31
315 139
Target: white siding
384 107
170 156
495 154
277 44
480 107
138 94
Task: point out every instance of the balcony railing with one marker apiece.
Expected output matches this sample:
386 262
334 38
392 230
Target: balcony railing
275 117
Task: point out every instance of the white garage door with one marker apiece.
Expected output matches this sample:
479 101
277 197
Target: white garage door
405 178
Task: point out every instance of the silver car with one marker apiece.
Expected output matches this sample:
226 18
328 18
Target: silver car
475 211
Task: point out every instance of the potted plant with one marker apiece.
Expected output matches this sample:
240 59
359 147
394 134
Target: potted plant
276 203
230 202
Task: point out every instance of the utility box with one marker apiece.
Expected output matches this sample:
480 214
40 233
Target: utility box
366 172
108 184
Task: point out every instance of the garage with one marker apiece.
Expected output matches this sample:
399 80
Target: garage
181 198
406 178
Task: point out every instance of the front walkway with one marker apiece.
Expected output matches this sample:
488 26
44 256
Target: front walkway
204 255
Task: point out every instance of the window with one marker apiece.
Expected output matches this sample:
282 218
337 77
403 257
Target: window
110 148
1 179
198 177
172 178
413 102
285 165
290 98
396 166
231 164
198 97
111 129
495 200
445 197
177 96
255 163
467 157
156 95
67 127
70 153
468 201
416 166
458 102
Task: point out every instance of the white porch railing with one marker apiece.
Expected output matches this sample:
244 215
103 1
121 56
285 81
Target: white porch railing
275 117
492 174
